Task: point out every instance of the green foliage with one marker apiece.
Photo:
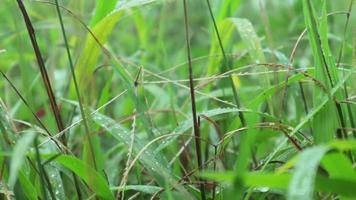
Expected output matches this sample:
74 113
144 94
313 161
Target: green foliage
285 131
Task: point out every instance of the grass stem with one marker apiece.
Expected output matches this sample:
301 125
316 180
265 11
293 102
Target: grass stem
192 95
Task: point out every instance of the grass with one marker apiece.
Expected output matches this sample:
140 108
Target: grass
153 99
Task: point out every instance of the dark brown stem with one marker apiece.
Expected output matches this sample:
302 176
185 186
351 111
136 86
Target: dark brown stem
192 95
44 74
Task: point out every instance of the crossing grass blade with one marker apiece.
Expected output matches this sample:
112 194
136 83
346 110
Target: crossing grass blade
42 67
155 163
325 72
142 145
94 180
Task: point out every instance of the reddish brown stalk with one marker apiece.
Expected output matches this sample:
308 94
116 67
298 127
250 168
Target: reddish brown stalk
192 95
44 74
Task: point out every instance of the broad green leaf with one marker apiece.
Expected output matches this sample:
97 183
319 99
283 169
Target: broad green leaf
344 145
91 51
27 187
301 186
343 187
281 181
93 179
250 39
19 155
338 165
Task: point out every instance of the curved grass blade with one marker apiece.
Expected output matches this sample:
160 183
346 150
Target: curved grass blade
102 30
94 180
301 186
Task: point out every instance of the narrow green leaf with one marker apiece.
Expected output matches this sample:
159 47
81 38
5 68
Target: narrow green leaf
325 71
102 9
19 155
155 163
228 8
148 189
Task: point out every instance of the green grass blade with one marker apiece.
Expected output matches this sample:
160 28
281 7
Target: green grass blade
148 189
325 72
19 155
301 186
250 39
102 9
228 8
281 181
94 180
154 162
102 31
27 187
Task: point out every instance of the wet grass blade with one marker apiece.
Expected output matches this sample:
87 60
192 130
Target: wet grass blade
301 186
326 73
87 173
154 162
19 155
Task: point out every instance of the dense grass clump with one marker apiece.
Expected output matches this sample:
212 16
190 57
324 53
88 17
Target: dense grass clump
178 99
